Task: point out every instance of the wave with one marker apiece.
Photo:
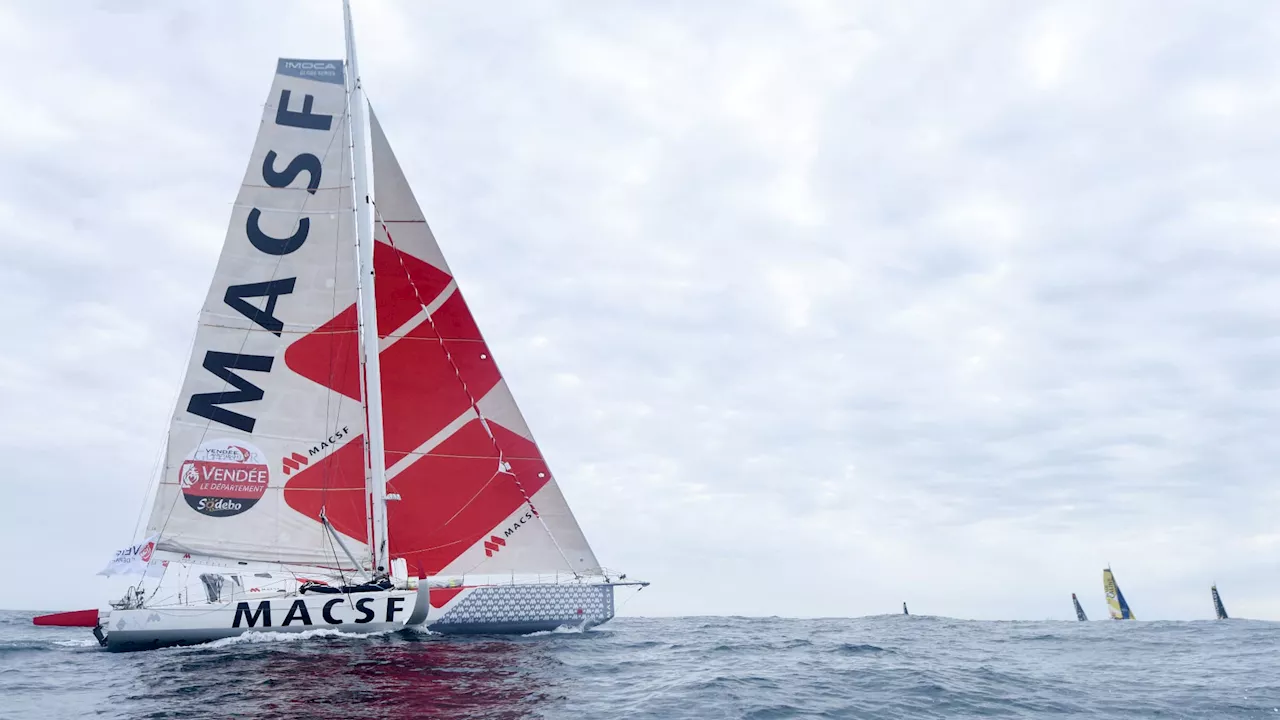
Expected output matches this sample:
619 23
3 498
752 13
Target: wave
24 646
77 642
562 630
256 637
859 649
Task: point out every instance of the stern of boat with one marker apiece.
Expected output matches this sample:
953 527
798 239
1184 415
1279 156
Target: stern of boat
520 609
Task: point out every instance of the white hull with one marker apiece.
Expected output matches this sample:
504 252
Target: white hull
489 609
146 628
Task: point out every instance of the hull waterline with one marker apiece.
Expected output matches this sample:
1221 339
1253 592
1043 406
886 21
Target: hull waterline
483 610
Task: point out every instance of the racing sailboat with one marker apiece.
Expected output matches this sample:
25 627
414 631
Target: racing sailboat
1218 608
1115 599
336 443
1079 610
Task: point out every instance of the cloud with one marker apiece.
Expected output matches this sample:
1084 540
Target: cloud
813 307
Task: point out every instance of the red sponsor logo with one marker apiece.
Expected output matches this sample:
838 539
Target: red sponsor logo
493 545
293 462
222 479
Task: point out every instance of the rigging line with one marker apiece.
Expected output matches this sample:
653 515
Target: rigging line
503 466
467 504
459 512
158 467
343 171
342 574
275 270
633 597
164 570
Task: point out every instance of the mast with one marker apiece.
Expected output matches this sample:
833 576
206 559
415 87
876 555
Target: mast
375 457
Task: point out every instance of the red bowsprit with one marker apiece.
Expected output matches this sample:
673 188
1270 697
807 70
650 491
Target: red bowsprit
74 618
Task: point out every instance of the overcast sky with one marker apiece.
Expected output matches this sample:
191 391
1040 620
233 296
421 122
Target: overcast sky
814 307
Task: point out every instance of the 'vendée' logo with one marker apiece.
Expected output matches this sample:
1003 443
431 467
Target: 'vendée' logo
224 477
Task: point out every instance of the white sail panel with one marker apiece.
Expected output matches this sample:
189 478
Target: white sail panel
251 414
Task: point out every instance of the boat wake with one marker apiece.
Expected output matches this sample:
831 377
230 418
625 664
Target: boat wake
562 630
77 642
251 638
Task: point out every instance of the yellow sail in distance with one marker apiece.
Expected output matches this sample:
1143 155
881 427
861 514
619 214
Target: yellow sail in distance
1115 599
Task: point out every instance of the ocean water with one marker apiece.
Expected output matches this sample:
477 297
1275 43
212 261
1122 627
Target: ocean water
700 667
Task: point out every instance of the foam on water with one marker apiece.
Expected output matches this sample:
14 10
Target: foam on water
77 642
562 630
701 667
257 637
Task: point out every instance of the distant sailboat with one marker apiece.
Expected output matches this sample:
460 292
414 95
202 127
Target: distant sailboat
1079 610
904 609
1217 603
1115 599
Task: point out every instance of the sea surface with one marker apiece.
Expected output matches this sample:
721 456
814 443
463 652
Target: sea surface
698 667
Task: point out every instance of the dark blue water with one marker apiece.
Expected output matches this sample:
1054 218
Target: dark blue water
877 667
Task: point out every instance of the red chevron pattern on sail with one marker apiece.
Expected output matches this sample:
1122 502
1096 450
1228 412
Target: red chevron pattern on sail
440 460
451 493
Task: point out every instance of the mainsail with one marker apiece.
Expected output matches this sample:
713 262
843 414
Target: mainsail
1217 603
244 422
277 410
1115 599
1079 610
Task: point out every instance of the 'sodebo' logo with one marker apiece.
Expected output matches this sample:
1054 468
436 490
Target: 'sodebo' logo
224 477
